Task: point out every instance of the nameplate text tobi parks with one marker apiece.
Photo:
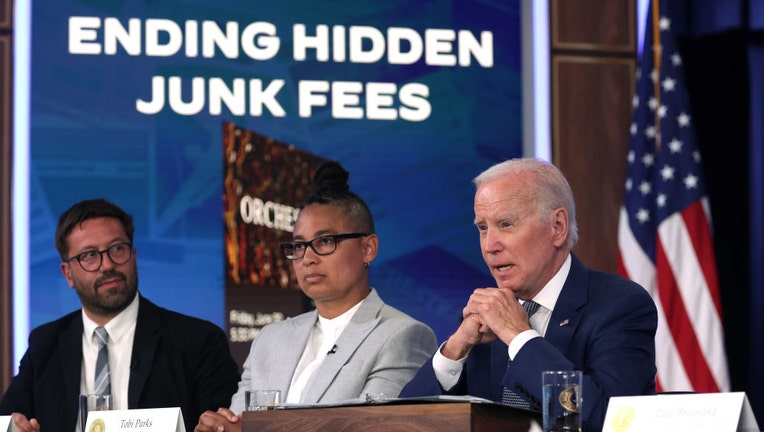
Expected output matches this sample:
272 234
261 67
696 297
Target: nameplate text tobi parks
138 420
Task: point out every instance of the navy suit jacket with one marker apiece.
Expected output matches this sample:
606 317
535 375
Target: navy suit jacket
602 324
177 361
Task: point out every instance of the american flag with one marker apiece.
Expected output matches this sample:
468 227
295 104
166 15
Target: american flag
664 233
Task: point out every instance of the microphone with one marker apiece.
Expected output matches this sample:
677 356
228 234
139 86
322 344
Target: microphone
333 350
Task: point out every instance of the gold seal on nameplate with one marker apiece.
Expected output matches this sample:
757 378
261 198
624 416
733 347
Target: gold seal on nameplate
622 418
97 426
569 398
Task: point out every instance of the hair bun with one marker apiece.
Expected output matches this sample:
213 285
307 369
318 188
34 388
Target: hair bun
331 177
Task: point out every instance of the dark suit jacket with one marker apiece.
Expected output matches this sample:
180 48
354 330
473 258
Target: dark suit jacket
177 361
602 324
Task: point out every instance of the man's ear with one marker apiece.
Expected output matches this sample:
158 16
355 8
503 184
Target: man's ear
560 226
66 270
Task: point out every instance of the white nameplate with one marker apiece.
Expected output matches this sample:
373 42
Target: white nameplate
697 412
6 424
136 420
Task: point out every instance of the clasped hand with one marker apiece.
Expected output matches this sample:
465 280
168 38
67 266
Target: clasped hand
490 314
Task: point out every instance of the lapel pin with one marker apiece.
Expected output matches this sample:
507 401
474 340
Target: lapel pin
564 322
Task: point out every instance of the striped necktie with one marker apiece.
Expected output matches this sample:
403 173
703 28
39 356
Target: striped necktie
102 375
509 397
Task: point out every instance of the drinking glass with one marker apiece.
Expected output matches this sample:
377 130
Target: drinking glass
261 400
92 402
563 396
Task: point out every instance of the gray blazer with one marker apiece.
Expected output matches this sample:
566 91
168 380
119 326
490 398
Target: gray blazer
379 351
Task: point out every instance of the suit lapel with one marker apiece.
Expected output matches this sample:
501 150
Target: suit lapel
71 339
567 311
288 355
359 327
144 348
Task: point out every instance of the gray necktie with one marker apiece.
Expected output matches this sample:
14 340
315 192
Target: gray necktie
102 378
508 396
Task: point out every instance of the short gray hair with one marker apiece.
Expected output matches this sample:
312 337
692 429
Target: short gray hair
552 188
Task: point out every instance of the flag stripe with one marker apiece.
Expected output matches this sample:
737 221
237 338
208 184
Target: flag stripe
697 223
680 325
638 267
688 273
708 321
692 274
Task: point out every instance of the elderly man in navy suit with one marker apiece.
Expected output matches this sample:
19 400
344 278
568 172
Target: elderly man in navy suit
601 324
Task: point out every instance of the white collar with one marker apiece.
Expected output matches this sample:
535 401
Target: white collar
118 326
548 295
333 327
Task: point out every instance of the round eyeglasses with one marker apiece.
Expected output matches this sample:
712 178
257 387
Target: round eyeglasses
323 245
91 261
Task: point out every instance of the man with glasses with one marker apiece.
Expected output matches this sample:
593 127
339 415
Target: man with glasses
119 343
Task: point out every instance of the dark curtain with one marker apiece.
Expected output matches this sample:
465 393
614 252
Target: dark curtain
756 68
756 376
722 44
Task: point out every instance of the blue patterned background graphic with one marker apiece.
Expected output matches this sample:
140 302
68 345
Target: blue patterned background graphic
87 140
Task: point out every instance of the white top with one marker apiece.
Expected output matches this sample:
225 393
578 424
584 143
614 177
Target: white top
320 342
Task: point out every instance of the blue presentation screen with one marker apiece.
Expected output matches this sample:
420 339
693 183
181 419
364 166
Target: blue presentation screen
129 100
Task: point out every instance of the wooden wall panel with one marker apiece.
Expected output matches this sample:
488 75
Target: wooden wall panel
593 60
6 140
591 124
597 25
6 16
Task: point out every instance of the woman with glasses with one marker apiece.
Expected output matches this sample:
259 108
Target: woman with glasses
352 346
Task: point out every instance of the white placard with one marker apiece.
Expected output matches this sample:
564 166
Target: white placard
697 412
6 424
136 420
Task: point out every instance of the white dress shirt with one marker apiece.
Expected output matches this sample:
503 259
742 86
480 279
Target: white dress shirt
321 341
448 371
121 331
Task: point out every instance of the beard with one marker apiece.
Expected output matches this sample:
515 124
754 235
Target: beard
108 301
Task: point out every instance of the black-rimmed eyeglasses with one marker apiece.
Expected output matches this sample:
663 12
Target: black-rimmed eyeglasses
323 245
91 260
